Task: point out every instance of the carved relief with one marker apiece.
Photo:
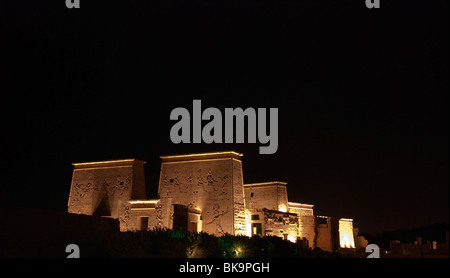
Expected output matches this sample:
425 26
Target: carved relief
210 179
200 181
189 178
159 217
186 188
125 219
191 205
165 181
224 180
218 214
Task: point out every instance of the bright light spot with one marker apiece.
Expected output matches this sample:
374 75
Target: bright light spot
345 241
346 233
282 208
248 223
292 238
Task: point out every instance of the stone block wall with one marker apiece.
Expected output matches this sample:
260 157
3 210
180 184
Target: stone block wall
210 183
269 195
306 221
201 192
139 212
307 229
104 188
281 224
327 233
238 198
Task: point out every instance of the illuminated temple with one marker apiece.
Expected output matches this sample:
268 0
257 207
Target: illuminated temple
202 193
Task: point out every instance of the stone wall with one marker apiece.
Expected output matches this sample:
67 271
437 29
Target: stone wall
201 192
104 188
269 195
281 224
307 229
327 233
238 198
136 211
306 220
210 183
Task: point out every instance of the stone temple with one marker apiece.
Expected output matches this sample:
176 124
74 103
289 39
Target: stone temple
202 193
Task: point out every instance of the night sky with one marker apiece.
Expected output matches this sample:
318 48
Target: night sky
362 96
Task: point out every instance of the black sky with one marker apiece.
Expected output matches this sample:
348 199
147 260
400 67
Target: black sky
362 96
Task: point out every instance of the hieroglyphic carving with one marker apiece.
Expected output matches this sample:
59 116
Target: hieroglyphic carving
238 200
191 205
159 217
189 178
92 188
120 186
200 181
188 183
101 183
210 179
224 180
216 219
125 219
166 184
185 181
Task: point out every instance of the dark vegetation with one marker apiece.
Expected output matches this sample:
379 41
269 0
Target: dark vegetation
164 243
432 232
35 233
